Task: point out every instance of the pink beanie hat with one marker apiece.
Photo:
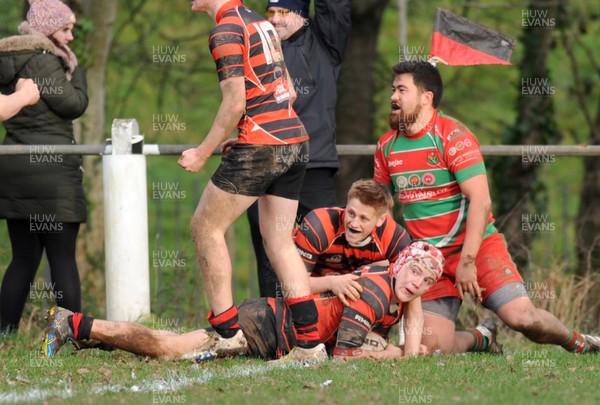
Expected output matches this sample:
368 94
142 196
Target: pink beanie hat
48 16
44 18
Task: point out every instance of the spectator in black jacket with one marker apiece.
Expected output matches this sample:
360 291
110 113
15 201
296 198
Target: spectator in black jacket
313 50
41 195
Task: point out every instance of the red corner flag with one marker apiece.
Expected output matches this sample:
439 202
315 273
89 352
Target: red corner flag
458 41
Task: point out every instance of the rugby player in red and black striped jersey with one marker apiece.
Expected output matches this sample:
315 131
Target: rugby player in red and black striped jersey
339 241
359 330
266 163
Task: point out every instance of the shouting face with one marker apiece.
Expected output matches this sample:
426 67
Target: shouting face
406 103
360 220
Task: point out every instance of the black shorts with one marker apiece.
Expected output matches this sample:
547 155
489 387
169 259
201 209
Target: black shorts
256 170
269 334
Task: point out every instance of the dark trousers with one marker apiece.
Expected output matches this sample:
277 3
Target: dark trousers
318 191
28 241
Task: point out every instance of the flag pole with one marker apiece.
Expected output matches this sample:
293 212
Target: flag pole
402 28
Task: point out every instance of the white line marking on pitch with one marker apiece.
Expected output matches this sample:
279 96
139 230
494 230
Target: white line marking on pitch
173 382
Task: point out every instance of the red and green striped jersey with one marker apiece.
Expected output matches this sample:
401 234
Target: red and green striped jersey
244 44
321 243
425 170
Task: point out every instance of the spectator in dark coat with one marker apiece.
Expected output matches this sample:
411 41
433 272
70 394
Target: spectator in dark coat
41 195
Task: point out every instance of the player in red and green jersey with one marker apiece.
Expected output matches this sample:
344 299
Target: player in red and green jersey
434 164
338 241
266 163
359 330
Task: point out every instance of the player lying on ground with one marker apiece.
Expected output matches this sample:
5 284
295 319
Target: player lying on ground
387 294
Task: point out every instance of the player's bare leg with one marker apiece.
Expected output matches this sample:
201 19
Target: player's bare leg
216 212
138 339
439 333
541 326
277 219
536 324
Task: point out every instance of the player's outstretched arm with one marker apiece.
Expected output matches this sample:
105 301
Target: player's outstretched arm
413 327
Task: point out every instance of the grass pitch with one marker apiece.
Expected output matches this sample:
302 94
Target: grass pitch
531 375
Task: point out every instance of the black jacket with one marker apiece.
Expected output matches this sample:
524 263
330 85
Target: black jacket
313 57
41 188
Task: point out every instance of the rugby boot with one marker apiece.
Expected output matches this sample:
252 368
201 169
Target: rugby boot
299 355
489 329
593 343
58 332
217 346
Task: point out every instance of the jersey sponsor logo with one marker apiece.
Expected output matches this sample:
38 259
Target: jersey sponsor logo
413 196
460 146
468 143
394 163
428 179
401 182
452 151
304 253
360 319
432 158
465 157
414 180
455 133
282 92
334 259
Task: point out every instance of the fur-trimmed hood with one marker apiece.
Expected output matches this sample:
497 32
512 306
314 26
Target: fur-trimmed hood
18 43
16 51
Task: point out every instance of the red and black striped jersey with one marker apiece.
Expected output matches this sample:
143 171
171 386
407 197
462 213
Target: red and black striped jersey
347 326
244 44
321 243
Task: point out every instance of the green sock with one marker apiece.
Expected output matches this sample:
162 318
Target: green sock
481 341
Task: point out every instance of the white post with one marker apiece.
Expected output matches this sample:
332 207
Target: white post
126 225
401 331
